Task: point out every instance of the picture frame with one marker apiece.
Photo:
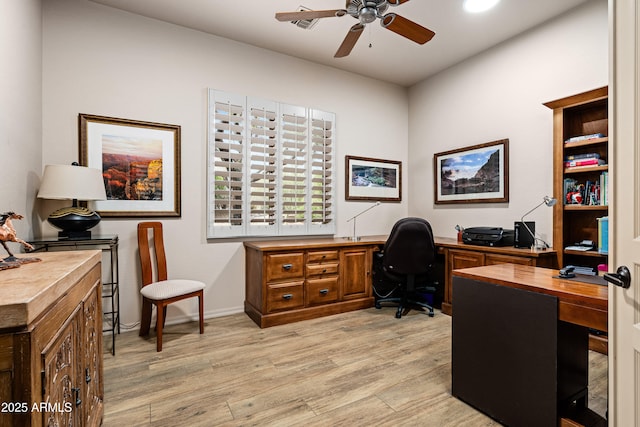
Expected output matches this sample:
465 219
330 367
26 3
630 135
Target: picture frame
457 178
140 164
373 179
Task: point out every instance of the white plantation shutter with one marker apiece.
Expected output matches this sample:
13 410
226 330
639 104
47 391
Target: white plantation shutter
322 170
294 168
270 168
227 120
263 167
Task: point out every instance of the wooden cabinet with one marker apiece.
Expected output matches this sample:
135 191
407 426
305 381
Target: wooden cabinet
292 280
458 256
51 341
575 118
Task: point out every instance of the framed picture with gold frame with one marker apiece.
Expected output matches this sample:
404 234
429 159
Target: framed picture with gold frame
140 164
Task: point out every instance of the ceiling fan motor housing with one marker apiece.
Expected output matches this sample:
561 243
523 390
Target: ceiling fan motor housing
366 11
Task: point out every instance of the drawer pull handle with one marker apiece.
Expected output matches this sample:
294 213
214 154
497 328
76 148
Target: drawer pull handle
287 266
324 291
76 390
287 296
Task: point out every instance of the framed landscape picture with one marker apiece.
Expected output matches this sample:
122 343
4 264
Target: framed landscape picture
373 179
140 164
475 174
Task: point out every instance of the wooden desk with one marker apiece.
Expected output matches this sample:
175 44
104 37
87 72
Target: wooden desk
520 341
459 255
296 279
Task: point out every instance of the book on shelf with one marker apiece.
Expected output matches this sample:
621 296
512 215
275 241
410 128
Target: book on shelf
603 234
582 156
584 137
604 186
584 162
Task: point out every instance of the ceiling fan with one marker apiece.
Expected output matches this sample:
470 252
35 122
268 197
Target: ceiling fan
365 11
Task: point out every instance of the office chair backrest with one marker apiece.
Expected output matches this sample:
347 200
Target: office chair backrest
410 248
146 252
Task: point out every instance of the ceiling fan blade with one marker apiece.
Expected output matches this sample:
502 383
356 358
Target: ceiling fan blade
396 2
349 41
406 28
309 14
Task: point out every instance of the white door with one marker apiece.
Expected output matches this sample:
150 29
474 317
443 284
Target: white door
624 221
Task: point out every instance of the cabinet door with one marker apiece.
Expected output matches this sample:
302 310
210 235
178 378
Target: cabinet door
355 273
91 375
460 259
61 388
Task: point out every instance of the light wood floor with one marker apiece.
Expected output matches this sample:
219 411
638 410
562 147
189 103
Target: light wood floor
360 368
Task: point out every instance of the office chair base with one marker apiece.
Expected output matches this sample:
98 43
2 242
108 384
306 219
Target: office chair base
403 308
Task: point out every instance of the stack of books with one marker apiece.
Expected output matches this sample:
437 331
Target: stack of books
585 159
584 137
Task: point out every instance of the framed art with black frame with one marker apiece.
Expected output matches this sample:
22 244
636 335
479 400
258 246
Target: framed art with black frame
373 179
474 174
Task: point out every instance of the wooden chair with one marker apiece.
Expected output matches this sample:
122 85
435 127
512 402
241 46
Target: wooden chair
162 291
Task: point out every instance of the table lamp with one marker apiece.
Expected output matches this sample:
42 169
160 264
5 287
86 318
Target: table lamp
355 237
530 235
72 182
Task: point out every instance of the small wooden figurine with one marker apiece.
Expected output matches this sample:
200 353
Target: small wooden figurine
8 234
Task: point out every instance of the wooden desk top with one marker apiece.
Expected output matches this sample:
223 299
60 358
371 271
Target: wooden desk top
29 290
323 242
580 303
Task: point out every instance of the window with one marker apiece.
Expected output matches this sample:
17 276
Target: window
270 168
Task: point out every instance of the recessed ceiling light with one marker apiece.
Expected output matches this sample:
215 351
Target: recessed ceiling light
476 6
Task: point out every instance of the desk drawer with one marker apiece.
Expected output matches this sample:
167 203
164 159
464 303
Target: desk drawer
491 259
322 269
285 266
322 256
322 291
285 296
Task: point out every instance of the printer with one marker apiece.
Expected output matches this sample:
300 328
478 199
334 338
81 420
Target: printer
488 236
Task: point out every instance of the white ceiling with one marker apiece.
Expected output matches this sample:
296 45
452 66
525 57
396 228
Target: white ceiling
390 58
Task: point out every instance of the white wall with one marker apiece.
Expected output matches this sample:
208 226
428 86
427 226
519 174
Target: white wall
20 111
99 60
499 94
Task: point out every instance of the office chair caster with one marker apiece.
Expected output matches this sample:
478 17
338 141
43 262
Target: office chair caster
399 312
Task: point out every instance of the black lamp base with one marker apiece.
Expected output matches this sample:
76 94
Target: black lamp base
74 222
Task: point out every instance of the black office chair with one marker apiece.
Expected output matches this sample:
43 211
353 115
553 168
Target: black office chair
407 258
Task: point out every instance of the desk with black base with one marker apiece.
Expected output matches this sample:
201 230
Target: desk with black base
520 342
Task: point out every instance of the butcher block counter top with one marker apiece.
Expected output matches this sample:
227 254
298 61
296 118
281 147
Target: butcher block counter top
28 291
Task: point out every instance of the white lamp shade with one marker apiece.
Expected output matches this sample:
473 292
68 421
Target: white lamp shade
68 182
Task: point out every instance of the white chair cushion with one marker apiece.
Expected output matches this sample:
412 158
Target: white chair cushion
170 288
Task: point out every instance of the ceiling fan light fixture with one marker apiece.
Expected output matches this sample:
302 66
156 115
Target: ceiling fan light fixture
367 15
477 6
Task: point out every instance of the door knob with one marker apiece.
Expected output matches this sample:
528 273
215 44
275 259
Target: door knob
622 277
